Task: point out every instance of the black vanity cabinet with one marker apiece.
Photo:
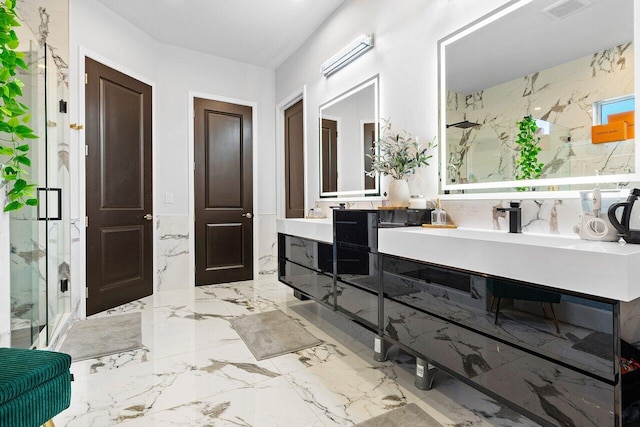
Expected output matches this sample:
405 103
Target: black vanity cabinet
355 236
447 317
307 266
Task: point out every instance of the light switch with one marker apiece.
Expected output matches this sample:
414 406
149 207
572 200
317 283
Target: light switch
168 198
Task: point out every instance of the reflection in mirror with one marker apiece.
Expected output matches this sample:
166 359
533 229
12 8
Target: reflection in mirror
348 130
571 70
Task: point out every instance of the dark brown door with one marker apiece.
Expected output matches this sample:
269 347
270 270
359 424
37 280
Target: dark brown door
329 155
223 192
369 133
294 160
119 188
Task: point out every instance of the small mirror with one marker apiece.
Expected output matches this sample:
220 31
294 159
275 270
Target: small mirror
348 131
569 65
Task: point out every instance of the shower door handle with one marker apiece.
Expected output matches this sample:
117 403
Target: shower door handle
46 216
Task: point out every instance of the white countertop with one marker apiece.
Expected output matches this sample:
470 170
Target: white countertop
315 229
606 269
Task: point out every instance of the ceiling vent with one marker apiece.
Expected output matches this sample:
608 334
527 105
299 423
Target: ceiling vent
564 8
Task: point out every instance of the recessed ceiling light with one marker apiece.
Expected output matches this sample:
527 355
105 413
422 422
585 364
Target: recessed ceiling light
537 109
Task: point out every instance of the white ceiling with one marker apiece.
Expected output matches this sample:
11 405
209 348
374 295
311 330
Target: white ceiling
259 32
528 40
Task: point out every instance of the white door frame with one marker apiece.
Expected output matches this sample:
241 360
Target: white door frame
287 102
192 199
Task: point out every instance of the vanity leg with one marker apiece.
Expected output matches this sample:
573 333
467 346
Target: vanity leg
299 295
555 319
497 311
380 348
425 373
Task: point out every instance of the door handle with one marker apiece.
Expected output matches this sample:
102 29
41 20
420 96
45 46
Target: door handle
148 217
248 215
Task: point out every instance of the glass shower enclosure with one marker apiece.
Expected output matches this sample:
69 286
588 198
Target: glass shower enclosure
39 236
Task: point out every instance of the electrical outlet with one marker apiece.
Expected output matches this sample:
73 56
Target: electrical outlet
168 198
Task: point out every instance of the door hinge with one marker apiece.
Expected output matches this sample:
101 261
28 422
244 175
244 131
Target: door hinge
86 292
86 150
86 78
194 165
86 221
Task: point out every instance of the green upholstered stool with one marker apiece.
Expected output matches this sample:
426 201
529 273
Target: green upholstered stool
35 386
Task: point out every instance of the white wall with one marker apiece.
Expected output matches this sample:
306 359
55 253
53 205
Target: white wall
174 73
181 71
405 56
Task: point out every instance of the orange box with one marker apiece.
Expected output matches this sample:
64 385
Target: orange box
630 118
614 131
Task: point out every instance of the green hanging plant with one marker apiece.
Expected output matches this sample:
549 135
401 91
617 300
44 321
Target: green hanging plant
528 166
14 148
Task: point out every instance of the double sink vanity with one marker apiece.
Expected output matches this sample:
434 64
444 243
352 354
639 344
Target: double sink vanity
538 322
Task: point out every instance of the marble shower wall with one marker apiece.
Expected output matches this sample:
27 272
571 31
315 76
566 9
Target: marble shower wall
172 259
564 96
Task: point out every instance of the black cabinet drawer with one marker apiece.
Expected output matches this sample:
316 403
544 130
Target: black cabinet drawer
316 285
555 393
358 267
525 320
358 228
306 252
359 304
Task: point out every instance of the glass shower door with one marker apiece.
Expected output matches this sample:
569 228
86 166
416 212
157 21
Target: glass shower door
28 235
57 195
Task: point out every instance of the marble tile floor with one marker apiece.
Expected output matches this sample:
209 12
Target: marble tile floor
194 370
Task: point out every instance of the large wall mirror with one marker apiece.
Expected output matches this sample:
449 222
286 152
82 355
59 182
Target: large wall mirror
570 66
348 129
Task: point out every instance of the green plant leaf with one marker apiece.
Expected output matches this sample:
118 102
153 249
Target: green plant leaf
19 185
23 160
13 206
23 148
32 202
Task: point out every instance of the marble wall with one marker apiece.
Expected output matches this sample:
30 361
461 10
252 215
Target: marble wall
563 96
172 250
544 216
267 245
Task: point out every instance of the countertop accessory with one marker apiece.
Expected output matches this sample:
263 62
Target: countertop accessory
629 224
439 215
439 226
417 201
592 225
515 217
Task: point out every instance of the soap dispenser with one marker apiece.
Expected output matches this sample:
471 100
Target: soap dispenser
439 215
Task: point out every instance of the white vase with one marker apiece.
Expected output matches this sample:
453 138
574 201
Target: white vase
399 193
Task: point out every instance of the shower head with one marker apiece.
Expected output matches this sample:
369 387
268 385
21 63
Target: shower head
463 125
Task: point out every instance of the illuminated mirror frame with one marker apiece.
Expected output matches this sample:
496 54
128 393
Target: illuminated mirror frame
445 187
372 81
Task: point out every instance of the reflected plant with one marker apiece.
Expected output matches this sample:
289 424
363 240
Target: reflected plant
14 148
399 153
528 166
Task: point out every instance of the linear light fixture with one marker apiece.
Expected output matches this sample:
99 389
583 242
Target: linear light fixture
350 52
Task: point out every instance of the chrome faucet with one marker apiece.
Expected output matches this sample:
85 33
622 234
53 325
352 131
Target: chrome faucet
515 217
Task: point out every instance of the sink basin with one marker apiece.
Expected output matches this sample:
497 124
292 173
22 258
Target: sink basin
605 269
